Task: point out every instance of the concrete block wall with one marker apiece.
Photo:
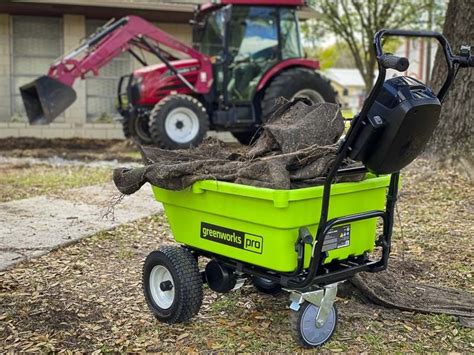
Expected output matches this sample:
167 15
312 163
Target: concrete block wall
5 82
74 123
73 32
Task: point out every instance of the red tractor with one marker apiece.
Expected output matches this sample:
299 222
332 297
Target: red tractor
246 54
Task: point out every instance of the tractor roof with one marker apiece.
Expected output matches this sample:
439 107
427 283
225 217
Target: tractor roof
217 3
265 2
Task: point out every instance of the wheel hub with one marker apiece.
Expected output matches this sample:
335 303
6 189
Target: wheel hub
166 285
179 124
182 125
162 286
312 95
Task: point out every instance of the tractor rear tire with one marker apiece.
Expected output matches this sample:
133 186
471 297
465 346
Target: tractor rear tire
297 82
178 122
136 128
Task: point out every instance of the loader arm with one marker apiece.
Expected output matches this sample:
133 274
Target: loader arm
48 96
119 37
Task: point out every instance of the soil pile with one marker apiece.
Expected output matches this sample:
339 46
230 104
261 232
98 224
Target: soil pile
296 149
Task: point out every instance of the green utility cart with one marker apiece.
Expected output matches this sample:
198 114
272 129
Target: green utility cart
304 241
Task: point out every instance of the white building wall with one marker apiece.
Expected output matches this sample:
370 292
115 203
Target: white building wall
74 123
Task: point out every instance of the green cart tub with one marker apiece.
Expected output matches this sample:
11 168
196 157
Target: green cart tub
260 225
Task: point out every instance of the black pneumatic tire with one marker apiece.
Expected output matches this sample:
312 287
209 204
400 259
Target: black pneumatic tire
266 286
132 130
127 127
161 112
187 281
297 323
290 82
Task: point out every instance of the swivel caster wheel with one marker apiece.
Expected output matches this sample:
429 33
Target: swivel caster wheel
305 329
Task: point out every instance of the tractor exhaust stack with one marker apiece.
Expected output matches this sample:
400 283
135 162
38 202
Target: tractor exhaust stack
45 99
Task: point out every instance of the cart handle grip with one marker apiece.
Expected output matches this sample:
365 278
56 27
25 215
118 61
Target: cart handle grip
390 61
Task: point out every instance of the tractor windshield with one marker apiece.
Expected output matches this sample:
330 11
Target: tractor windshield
253 48
258 37
254 33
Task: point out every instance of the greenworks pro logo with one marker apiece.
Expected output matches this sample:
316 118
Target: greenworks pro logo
231 237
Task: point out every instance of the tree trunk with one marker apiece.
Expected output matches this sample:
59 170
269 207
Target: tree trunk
453 140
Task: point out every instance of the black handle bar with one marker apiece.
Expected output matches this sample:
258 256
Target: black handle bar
448 54
386 61
401 64
451 60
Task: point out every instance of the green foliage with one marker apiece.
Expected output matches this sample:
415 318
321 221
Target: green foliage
327 56
17 118
336 55
354 23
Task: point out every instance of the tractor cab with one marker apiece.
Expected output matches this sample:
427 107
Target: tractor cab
244 42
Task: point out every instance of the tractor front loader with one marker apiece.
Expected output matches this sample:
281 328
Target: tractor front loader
245 55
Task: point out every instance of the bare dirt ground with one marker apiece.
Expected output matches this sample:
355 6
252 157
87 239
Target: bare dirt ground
88 297
76 148
33 167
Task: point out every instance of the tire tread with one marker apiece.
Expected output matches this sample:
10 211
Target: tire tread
188 278
294 75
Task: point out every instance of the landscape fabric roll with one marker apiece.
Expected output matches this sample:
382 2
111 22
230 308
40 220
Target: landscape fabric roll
295 149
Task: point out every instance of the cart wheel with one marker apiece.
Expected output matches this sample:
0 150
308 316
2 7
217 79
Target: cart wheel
267 286
172 284
304 329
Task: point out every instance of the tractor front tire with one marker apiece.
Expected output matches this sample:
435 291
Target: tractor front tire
178 122
302 82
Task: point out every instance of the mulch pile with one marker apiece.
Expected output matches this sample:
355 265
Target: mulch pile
397 288
296 149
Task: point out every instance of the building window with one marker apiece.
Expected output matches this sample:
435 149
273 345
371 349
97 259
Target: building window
101 90
36 44
345 92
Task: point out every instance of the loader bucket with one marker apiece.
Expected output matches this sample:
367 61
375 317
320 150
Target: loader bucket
45 99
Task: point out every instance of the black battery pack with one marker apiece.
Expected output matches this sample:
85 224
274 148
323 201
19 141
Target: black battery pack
398 125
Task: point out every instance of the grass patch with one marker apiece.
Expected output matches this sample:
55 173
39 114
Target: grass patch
20 182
